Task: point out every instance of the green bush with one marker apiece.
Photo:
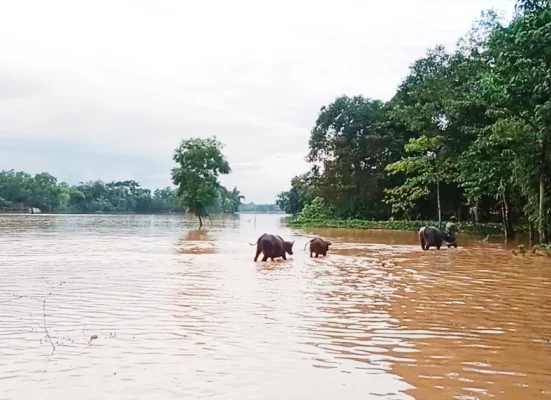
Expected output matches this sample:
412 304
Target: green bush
465 227
317 210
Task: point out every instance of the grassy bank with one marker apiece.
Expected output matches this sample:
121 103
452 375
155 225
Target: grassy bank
466 227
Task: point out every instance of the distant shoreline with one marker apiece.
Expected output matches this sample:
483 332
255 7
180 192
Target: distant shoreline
140 213
95 213
465 227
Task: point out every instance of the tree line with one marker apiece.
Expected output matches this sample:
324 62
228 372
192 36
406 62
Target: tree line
252 208
468 133
43 191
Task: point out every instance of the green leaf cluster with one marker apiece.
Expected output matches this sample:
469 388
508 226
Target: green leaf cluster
20 190
468 133
199 164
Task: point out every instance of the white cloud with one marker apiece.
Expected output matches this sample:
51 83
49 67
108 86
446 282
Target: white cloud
131 78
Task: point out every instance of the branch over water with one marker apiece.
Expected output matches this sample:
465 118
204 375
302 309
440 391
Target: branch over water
53 288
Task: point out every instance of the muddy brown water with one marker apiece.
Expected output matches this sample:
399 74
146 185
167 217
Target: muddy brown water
147 307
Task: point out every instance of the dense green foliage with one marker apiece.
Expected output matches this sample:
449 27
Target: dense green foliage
22 190
466 227
200 162
468 133
304 189
317 214
316 210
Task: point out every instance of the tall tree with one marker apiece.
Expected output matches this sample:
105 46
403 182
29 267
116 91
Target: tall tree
303 190
350 145
467 129
532 5
200 162
425 168
427 104
235 199
518 89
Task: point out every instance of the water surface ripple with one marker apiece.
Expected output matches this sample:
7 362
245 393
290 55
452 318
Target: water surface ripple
128 307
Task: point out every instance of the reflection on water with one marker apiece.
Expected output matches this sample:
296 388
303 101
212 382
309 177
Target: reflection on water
185 313
196 241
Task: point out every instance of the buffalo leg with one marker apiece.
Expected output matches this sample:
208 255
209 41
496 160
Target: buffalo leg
257 253
317 255
310 254
265 258
422 240
283 256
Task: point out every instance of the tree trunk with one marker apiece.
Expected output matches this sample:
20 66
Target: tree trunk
541 219
507 224
200 221
503 219
439 206
476 212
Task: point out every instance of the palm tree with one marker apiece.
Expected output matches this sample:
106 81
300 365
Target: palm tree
236 197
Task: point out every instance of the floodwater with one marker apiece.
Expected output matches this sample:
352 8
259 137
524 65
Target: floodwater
147 307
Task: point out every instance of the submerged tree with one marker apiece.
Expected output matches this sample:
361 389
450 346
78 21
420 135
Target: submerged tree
200 163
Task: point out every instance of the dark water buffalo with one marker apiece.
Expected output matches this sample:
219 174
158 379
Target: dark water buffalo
272 246
432 236
319 246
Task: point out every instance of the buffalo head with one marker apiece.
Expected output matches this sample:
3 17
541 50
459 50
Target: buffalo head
288 247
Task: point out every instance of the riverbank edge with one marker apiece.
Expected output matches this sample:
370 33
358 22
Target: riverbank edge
465 227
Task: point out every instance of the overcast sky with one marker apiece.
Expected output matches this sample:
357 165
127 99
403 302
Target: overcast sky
107 89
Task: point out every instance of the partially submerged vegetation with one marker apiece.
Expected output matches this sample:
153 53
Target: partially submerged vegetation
467 134
468 227
539 250
542 249
318 215
199 163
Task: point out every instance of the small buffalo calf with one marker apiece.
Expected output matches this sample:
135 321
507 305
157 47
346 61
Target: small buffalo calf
319 246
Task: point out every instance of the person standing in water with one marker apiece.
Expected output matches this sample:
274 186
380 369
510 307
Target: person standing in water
451 229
